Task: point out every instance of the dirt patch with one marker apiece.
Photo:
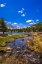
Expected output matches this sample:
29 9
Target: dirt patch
3 35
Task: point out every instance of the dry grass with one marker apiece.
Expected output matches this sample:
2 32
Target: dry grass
35 44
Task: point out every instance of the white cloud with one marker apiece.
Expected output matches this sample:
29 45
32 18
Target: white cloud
15 23
23 9
23 15
29 21
22 12
37 20
32 23
2 5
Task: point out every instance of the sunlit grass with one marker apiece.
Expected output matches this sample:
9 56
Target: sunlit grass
37 44
10 38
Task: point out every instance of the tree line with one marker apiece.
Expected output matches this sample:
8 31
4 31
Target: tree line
34 28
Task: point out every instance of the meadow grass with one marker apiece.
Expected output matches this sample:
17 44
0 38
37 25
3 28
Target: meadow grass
9 38
35 44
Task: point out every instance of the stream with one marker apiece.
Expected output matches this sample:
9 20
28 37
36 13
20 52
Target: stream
20 49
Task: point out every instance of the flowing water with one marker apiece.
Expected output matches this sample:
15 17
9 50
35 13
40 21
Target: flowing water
19 46
20 49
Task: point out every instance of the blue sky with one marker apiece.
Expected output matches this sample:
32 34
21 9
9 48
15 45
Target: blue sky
21 12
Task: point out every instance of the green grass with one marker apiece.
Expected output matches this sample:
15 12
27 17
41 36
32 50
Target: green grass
9 38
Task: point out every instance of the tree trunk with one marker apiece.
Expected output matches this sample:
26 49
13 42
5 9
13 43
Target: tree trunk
3 32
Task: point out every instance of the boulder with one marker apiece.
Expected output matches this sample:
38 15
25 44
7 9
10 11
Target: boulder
9 50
